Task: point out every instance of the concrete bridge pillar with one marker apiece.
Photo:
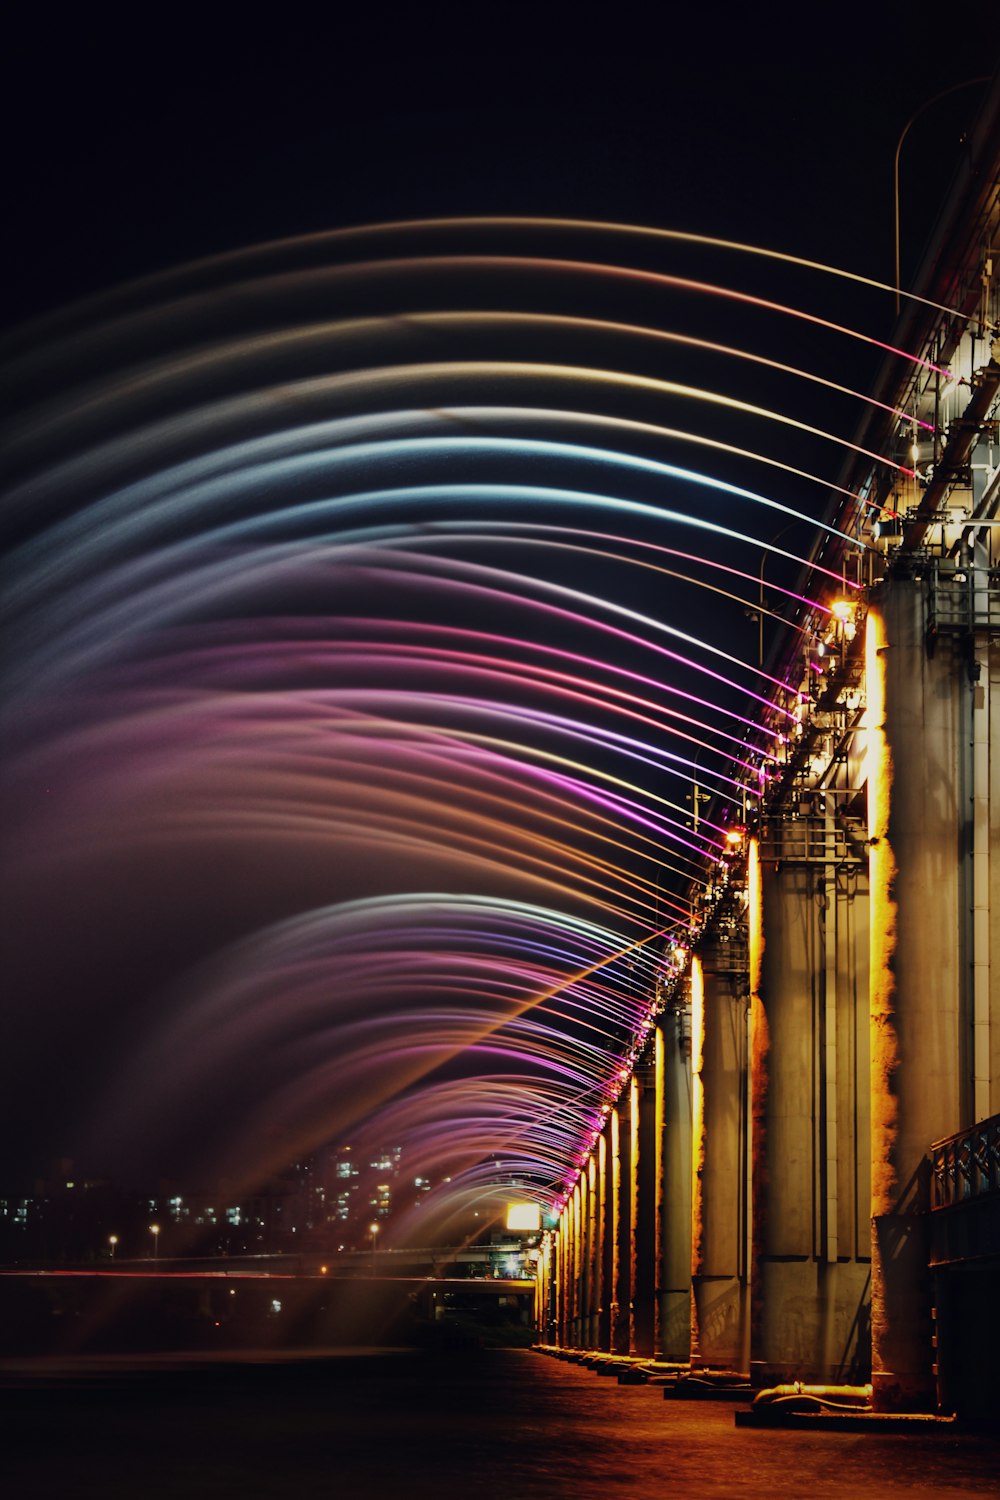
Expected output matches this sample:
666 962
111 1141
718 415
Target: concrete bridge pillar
559 1268
921 800
672 1043
592 1276
568 1283
621 1300
644 1210
986 979
606 1159
808 924
546 1320
578 1219
720 1217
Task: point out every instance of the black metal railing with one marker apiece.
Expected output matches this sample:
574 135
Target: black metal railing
966 1165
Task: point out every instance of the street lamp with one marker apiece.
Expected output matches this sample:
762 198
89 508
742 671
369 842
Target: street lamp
968 84
373 1230
112 1241
154 1230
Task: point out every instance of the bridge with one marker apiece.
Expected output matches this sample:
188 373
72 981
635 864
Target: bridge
800 1179
714 883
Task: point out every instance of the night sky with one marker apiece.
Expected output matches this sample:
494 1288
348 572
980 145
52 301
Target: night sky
127 153
133 153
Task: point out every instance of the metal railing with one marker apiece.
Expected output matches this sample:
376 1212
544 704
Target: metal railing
812 840
966 1165
962 599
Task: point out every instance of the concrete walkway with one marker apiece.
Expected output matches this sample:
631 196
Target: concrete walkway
491 1425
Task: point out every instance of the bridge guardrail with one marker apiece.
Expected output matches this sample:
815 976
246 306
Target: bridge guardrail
966 1165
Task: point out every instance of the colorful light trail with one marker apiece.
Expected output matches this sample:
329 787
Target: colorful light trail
382 683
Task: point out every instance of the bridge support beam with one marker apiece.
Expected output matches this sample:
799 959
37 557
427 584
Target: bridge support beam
546 1320
809 1088
621 1176
986 880
719 1237
579 1261
580 1287
920 983
644 1192
672 1043
559 1265
606 1156
592 1260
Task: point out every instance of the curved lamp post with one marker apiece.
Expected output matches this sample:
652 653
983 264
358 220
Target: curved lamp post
968 84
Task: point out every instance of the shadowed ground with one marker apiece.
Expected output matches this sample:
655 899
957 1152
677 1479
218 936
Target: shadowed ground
496 1423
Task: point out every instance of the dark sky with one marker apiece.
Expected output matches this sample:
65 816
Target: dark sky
131 151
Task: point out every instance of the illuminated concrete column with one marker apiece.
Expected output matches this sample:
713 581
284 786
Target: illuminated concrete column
621 1301
565 1224
644 1207
608 1166
585 1237
546 1323
554 1330
673 1108
559 1263
575 1267
920 803
566 1277
720 1217
986 974
593 1300
808 931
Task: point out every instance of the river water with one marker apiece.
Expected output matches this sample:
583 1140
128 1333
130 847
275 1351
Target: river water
478 1425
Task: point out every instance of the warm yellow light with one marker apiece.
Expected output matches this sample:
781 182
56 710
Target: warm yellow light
734 836
524 1217
842 610
883 999
373 1229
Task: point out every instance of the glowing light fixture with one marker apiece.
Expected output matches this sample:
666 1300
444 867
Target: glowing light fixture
524 1217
